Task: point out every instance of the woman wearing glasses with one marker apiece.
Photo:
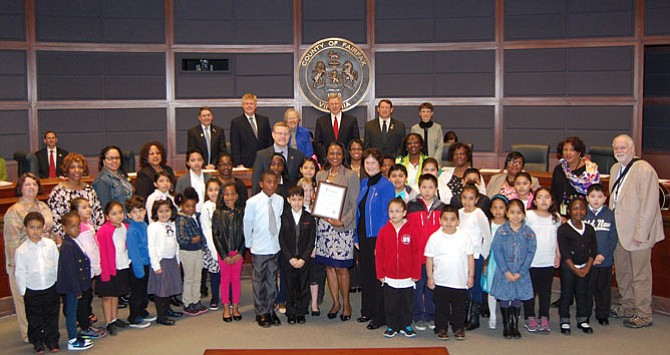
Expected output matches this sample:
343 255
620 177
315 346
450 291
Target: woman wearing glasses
111 184
503 183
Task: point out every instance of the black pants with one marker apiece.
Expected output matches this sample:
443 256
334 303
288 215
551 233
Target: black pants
84 309
139 299
162 305
297 289
42 307
372 298
577 287
398 306
541 277
355 271
600 287
449 307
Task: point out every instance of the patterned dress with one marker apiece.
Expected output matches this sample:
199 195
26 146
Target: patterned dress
59 203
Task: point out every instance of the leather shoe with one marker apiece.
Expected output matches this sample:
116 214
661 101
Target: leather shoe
585 327
333 313
227 319
352 290
165 322
565 329
236 318
316 313
301 319
345 317
263 321
373 325
292 319
603 321
274 319
362 319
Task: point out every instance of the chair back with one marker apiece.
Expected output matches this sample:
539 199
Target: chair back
603 156
129 161
27 162
536 156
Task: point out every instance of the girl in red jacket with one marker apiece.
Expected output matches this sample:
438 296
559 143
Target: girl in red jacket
398 263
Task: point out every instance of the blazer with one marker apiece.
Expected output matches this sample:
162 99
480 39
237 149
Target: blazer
435 140
303 141
74 269
324 135
636 210
243 142
43 159
196 139
184 181
297 246
262 164
389 145
376 206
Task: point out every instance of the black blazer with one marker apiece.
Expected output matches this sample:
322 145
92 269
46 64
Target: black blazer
262 164
196 140
324 135
392 143
293 246
43 158
243 142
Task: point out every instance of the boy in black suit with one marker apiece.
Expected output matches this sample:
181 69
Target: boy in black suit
296 238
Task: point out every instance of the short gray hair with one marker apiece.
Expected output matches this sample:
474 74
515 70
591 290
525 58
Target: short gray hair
631 143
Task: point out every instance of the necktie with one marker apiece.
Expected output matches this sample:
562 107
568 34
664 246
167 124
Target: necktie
252 122
384 129
336 128
272 222
208 139
52 165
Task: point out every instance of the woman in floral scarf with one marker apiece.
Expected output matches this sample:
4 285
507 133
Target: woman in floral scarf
574 173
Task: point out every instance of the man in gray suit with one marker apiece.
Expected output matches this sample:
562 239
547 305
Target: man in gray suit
385 133
634 200
281 134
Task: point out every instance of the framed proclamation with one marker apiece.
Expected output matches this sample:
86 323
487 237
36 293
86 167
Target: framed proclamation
329 200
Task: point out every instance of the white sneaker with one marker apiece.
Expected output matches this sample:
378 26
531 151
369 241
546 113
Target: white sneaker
492 323
79 344
420 325
431 324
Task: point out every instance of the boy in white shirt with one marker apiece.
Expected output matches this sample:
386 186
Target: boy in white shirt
36 272
450 266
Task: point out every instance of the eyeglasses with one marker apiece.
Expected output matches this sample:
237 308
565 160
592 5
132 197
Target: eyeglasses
112 158
515 163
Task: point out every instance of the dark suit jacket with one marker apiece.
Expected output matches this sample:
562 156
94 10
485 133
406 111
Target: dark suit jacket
392 143
243 142
324 135
196 139
262 164
297 246
43 158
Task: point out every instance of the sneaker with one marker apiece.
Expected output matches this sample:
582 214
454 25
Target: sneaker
190 310
431 324
408 332
390 333
213 305
620 312
139 323
531 324
54 348
443 334
421 325
638 322
121 324
78 344
459 334
174 314
39 348
544 325
148 317
92 333
111 329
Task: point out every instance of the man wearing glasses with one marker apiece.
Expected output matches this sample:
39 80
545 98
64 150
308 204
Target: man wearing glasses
281 134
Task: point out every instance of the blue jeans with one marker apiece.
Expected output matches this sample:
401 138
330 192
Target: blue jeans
71 315
424 308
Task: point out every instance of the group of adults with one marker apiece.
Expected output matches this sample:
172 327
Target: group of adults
348 161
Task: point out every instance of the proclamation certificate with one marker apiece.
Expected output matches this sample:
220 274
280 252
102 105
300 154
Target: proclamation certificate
329 200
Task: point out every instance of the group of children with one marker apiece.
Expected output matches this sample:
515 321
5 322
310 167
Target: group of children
435 260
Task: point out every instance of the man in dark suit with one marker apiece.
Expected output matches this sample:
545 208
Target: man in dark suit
50 157
249 133
209 139
334 127
281 134
385 133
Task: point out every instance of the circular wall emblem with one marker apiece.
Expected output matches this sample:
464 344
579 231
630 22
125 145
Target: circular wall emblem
334 65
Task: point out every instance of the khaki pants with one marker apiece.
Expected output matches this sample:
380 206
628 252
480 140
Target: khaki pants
191 263
19 305
633 276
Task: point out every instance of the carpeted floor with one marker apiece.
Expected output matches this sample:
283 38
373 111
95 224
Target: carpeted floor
193 335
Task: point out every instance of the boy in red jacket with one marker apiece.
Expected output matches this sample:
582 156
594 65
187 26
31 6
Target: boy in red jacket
398 263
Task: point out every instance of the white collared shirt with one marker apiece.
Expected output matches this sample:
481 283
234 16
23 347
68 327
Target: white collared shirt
338 117
36 265
381 124
252 121
198 183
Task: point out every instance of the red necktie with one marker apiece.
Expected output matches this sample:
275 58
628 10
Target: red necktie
336 129
52 165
